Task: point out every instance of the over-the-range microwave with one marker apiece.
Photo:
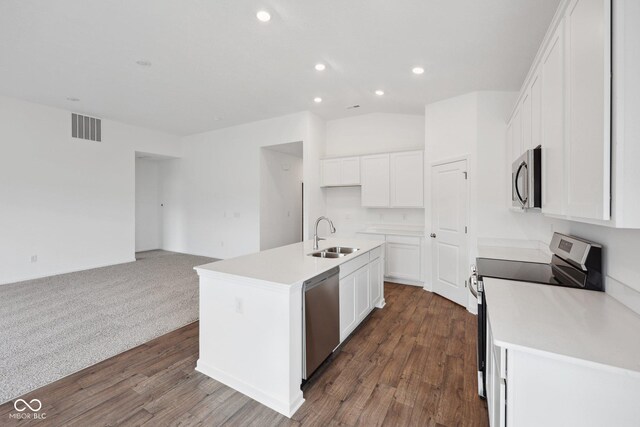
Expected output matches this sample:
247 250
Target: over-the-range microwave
526 180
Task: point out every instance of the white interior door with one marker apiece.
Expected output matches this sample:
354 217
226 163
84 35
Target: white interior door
449 234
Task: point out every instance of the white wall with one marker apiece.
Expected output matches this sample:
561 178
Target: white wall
71 202
148 210
280 199
212 194
368 134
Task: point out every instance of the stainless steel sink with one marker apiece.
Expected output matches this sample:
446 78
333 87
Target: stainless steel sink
341 250
333 252
325 254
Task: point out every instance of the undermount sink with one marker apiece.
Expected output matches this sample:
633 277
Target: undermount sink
341 250
325 254
333 252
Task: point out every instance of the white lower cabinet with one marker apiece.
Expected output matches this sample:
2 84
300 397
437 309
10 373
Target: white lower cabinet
361 289
534 388
404 258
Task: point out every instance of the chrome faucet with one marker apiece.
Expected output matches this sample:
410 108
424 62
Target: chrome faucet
316 239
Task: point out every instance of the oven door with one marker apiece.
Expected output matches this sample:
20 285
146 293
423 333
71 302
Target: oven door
520 182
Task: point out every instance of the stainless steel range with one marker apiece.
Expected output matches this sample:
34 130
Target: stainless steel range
576 263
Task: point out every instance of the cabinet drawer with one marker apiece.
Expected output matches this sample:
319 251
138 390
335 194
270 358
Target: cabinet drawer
354 264
375 253
405 240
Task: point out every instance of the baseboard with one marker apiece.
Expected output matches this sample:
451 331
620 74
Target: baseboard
19 279
404 281
285 408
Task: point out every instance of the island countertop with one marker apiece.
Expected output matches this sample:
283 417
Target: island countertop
288 265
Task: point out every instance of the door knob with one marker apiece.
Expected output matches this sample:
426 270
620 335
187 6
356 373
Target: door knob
433 235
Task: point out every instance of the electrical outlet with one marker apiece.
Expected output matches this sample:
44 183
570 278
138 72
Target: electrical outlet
34 258
239 305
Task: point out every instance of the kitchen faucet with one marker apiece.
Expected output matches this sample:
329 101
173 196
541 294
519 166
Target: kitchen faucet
316 239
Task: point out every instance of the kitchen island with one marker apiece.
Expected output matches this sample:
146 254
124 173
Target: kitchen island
251 314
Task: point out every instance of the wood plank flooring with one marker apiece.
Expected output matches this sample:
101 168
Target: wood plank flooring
412 363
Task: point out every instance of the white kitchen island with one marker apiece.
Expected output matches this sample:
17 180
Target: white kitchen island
251 314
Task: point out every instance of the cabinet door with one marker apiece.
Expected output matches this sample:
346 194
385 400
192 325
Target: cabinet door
536 112
375 180
517 135
347 305
553 121
375 281
588 29
525 112
330 171
363 304
407 179
350 171
403 261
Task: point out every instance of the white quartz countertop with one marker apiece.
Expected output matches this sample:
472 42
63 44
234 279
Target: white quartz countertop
586 326
288 265
515 254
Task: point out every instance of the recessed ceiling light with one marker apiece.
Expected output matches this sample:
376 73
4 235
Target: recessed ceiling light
263 16
317 100
379 92
73 99
143 63
418 70
320 67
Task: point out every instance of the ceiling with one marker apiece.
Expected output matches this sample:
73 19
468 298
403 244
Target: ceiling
213 64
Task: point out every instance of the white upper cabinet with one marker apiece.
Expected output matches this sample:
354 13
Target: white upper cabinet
407 179
584 99
375 176
394 180
588 29
340 172
525 113
536 112
552 70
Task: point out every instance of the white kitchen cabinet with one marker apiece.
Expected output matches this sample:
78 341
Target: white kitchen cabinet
407 179
403 256
376 180
347 305
362 296
525 114
553 130
536 112
516 140
376 281
588 159
340 172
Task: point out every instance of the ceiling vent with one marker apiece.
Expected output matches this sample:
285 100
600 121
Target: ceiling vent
85 127
351 107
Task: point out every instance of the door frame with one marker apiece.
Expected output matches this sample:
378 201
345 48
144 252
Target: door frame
431 258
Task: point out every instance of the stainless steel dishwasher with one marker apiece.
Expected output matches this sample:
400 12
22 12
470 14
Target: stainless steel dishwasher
321 313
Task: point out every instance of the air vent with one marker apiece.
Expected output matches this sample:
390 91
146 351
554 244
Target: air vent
353 106
85 127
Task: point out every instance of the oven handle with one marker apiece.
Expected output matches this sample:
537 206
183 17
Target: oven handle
473 280
515 184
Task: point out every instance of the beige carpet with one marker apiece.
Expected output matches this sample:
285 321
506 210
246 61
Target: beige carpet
52 327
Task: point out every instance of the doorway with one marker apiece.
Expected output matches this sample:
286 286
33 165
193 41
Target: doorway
148 204
449 224
281 195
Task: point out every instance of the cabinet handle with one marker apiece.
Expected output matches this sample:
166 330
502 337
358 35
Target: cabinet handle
432 235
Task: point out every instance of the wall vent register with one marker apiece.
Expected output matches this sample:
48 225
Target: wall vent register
85 127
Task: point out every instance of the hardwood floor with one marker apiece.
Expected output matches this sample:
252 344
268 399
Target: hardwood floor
412 363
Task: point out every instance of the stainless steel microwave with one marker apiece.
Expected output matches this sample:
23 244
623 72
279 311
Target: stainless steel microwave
526 176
